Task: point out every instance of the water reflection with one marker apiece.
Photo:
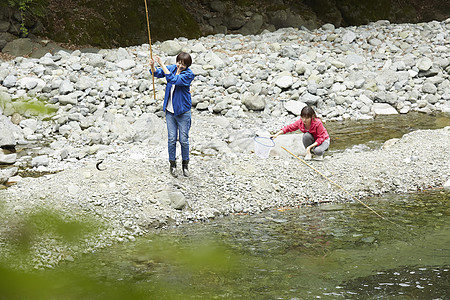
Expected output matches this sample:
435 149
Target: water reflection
364 135
414 282
340 252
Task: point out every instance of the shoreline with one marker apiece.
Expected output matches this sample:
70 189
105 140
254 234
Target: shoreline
136 193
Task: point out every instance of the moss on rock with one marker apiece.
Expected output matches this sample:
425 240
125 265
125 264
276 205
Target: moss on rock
113 23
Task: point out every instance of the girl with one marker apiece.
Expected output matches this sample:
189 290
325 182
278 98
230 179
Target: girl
315 139
177 105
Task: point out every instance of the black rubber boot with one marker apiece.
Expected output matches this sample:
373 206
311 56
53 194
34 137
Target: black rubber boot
185 168
173 168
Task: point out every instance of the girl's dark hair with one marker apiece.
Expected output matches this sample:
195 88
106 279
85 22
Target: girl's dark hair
185 58
308 112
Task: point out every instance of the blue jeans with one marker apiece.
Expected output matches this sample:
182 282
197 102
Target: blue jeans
178 126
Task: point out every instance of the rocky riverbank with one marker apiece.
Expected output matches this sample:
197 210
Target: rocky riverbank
74 109
136 193
113 23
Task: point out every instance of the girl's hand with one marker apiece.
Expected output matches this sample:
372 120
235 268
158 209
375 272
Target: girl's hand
308 149
276 135
158 60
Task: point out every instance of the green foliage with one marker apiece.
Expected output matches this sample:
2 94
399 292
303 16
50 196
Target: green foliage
94 277
34 108
26 232
24 238
28 8
29 107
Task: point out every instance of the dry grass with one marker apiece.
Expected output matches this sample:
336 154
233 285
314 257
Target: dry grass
6 57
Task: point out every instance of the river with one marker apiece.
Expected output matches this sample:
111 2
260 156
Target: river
332 251
327 251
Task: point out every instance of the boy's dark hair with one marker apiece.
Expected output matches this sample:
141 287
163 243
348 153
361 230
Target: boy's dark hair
308 112
185 58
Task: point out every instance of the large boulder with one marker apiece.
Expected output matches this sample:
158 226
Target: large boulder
253 26
20 47
292 142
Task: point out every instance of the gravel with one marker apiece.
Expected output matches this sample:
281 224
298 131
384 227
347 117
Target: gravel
135 193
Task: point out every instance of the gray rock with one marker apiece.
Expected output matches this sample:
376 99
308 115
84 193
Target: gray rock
328 27
284 82
95 60
8 159
300 68
383 109
202 106
348 37
253 25
432 99
310 99
148 127
171 47
218 6
229 81
84 82
122 129
354 59
5 174
42 160
9 133
31 83
68 99
294 107
20 47
447 185
4 26
126 64
214 60
253 102
66 87
429 88
198 48
338 64
10 81
424 64
375 42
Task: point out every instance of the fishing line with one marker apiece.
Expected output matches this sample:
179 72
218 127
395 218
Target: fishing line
371 209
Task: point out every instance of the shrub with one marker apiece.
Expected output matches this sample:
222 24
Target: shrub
27 9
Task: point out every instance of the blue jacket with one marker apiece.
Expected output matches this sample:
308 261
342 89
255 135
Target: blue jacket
181 100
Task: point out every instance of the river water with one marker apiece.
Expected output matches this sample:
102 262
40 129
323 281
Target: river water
331 251
364 135
328 251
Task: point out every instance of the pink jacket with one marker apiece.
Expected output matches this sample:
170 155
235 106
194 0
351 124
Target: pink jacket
317 129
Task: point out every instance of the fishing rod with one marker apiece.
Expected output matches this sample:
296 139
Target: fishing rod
371 209
151 54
